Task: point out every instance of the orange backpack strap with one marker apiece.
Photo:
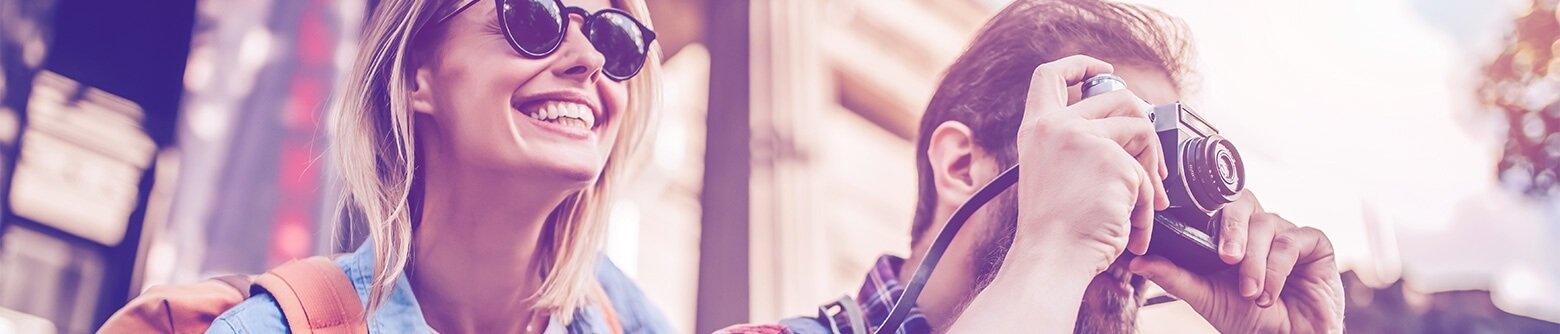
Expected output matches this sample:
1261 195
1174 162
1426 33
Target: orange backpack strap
607 311
315 297
182 308
240 283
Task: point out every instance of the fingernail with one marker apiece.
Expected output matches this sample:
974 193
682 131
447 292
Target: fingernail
1231 248
1138 267
1145 274
1266 300
1248 287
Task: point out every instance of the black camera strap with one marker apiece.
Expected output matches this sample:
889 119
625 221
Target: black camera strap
944 237
934 254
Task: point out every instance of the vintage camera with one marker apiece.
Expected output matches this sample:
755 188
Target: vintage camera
1205 174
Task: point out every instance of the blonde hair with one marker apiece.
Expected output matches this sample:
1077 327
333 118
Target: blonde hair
372 137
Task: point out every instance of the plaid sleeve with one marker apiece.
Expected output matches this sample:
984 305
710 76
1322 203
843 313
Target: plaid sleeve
755 329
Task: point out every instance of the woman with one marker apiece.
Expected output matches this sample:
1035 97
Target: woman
480 140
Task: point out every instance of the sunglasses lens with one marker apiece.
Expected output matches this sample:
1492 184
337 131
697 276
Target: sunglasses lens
535 26
619 38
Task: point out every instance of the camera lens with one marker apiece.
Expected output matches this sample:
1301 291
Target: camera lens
1215 174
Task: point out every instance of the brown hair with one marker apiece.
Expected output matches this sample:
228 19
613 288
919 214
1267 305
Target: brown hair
986 87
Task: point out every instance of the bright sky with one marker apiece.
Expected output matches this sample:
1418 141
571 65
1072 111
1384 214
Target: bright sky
1358 118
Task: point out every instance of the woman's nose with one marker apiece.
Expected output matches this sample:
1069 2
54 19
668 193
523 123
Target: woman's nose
577 57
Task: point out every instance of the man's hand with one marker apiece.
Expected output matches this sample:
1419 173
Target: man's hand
1087 191
1091 172
1286 282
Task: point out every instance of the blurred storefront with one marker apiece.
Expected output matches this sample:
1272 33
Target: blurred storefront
87 112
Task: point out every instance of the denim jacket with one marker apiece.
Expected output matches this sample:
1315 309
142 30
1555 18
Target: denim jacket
400 312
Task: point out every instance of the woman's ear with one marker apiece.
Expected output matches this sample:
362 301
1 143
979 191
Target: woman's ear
422 94
951 151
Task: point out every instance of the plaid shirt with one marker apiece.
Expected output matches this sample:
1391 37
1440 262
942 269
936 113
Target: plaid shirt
876 298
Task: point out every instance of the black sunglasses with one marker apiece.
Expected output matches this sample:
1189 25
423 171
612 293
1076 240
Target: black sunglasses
535 28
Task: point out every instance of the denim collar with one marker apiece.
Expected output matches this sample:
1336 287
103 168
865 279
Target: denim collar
400 313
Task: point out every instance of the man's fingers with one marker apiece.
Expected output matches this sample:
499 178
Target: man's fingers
1048 85
1121 103
1124 118
1142 216
1164 172
1232 230
1179 282
1136 136
1289 247
1257 245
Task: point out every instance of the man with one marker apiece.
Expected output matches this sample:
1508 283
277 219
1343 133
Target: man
1090 181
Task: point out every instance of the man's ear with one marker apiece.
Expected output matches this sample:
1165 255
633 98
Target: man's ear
422 94
951 151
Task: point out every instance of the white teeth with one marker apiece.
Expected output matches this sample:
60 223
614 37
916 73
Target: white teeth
586 116
552 110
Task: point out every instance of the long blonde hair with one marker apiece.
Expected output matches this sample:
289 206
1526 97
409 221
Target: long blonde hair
372 137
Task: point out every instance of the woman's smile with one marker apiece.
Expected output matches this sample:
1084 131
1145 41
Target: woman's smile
567 113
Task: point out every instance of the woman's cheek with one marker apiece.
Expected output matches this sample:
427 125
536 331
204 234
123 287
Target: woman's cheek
616 95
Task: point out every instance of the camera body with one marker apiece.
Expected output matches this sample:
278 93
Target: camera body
1206 173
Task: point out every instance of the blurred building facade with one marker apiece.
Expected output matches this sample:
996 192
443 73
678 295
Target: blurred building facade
834 91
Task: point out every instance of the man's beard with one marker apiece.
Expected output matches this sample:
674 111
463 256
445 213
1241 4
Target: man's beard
1105 309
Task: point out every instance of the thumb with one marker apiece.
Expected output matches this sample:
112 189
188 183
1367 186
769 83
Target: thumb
1193 289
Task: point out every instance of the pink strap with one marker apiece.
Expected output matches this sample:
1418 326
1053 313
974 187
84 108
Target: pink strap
315 296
